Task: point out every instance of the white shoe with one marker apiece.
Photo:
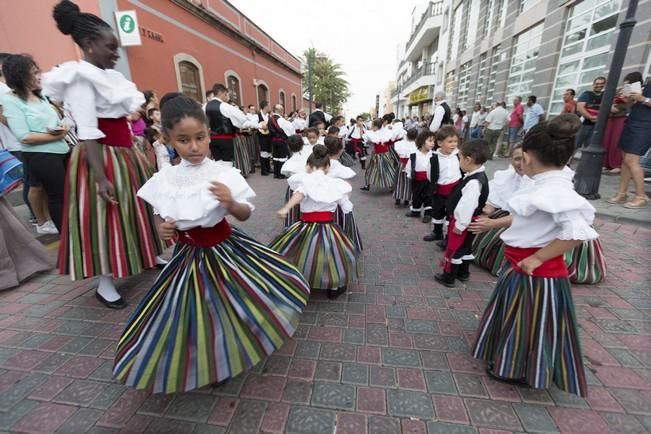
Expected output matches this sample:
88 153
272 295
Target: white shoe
47 228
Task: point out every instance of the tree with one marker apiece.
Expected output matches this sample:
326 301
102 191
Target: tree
329 86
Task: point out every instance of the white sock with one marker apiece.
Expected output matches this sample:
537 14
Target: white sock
161 261
107 289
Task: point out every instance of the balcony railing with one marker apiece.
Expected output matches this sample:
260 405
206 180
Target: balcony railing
426 69
433 9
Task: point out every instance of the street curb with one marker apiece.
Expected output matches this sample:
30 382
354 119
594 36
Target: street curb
623 220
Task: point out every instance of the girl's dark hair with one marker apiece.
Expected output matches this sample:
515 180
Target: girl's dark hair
333 130
552 143
377 123
295 143
168 96
412 133
80 25
319 158
151 111
149 94
422 137
179 107
311 130
632 77
446 131
17 69
477 149
333 144
152 134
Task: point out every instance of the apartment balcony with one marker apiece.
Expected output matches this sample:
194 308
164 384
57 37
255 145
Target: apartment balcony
426 31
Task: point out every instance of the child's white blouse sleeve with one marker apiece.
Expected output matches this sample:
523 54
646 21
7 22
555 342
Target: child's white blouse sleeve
240 189
575 225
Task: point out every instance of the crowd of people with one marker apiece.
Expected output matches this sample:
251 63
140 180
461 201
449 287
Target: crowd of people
122 175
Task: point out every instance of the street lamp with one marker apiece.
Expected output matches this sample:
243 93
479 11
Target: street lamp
588 172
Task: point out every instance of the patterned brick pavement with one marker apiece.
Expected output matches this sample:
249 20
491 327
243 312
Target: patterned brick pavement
391 356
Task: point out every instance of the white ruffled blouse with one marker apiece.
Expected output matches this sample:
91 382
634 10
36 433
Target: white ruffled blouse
322 193
338 170
90 93
182 192
549 209
296 163
504 185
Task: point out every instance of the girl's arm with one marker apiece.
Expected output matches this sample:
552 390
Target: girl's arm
484 224
166 228
95 160
240 211
296 198
552 250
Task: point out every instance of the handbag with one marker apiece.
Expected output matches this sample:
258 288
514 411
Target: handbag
11 172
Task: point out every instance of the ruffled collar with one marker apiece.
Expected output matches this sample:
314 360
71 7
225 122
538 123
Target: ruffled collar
554 175
450 155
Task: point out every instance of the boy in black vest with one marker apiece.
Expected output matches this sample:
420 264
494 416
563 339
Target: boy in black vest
464 204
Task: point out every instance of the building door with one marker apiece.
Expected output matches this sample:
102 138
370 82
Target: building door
233 85
263 93
190 80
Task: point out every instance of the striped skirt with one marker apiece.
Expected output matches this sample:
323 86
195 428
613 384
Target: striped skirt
241 159
586 263
252 149
322 251
402 190
529 332
348 224
211 314
294 214
381 171
488 247
101 238
346 159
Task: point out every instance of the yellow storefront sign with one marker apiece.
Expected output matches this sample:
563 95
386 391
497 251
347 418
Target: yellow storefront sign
419 95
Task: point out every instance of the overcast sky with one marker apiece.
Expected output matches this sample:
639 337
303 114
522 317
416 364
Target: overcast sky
361 35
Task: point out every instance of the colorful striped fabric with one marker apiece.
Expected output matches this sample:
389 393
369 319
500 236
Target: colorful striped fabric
586 263
352 230
402 190
212 314
252 148
346 159
101 238
381 171
241 159
294 214
488 248
11 172
529 332
322 251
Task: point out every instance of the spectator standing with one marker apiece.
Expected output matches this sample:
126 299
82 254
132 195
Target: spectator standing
474 122
495 122
569 103
516 121
442 112
587 106
535 113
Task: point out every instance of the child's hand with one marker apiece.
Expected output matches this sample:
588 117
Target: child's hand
457 231
282 212
223 195
167 229
482 224
529 264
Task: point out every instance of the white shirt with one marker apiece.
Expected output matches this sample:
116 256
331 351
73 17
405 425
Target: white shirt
299 124
162 155
375 136
328 117
504 185
549 209
468 203
482 119
449 169
355 132
338 170
7 139
182 192
296 163
285 125
404 148
90 93
439 112
422 163
322 192
236 116
474 121
252 120
497 118
343 131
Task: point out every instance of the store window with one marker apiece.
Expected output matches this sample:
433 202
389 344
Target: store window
523 62
281 99
190 79
589 32
263 93
464 85
234 88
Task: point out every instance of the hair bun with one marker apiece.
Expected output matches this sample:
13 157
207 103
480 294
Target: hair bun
320 151
563 126
66 14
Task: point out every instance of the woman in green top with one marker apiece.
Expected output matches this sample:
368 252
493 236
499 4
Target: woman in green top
36 124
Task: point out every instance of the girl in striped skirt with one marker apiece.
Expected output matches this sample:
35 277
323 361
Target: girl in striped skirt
344 215
528 332
586 263
107 230
381 170
316 244
224 302
295 164
404 148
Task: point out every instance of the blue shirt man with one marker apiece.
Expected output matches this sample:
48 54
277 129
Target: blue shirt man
534 114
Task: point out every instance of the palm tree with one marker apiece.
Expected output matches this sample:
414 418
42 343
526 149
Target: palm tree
328 83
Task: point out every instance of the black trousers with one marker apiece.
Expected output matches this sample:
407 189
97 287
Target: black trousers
222 149
49 171
421 195
439 210
279 149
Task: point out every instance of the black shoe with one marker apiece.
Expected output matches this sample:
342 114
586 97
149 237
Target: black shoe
444 279
365 188
463 277
515 381
433 236
397 202
335 293
413 214
405 203
442 244
117 304
427 218
464 271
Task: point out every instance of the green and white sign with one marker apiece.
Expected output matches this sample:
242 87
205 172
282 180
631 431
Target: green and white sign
127 23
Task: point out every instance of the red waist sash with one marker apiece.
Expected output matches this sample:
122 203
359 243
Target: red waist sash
404 160
116 132
317 217
446 189
380 148
354 140
206 237
278 139
421 176
554 267
216 136
298 131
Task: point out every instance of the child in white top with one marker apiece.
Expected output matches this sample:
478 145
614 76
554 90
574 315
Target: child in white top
418 172
381 170
310 138
295 164
404 148
528 332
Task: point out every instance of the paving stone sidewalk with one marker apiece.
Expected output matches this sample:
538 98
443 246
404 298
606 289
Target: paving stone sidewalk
392 356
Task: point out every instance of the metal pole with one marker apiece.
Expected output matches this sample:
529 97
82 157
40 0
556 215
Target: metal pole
588 172
310 61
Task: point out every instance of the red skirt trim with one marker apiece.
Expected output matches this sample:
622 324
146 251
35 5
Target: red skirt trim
206 237
116 132
380 148
317 217
446 189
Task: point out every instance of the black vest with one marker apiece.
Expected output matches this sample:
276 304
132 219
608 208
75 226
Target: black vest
447 116
434 171
455 196
316 117
274 129
219 124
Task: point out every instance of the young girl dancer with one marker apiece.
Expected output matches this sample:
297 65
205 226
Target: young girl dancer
295 164
528 332
224 301
381 170
344 215
404 148
418 171
107 231
316 244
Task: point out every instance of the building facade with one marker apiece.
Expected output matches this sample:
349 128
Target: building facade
499 49
187 46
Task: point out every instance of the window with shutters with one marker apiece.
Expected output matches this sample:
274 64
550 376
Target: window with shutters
233 85
263 93
281 99
190 80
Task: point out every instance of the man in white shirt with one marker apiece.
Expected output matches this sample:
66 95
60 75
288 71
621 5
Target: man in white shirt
223 119
300 122
279 130
496 120
442 112
474 122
